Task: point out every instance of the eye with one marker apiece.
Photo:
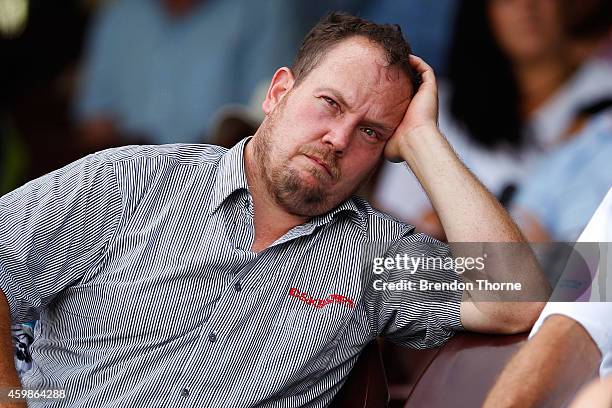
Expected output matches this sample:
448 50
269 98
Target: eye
370 133
330 101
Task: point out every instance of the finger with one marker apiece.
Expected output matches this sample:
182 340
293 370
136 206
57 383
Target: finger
422 69
418 64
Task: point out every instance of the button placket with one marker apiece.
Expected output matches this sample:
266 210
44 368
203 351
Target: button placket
210 341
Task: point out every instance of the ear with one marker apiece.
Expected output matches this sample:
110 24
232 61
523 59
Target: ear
281 84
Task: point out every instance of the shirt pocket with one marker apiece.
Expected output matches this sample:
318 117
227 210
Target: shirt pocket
323 323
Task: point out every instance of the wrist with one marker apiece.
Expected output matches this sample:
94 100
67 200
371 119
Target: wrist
421 142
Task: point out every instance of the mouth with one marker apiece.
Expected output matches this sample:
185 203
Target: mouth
321 164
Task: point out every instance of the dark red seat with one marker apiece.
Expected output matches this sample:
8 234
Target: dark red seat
366 385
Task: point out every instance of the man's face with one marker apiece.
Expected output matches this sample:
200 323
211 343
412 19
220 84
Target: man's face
324 137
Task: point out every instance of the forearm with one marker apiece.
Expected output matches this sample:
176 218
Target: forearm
477 225
8 374
467 211
549 369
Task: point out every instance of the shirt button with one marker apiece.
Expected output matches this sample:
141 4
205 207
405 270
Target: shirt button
184 392
212 337
237 286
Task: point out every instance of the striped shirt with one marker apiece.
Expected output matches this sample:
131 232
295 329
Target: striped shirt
137 263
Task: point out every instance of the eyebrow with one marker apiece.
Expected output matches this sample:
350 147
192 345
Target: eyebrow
342 101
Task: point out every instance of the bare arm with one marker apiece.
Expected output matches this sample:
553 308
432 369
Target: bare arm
549 369
467 211
8 374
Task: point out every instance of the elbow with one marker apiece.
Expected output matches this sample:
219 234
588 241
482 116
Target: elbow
521 317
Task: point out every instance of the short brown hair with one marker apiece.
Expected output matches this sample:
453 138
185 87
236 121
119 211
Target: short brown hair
338 26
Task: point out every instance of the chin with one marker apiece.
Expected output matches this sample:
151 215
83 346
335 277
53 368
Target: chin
308 211
307 203
301 192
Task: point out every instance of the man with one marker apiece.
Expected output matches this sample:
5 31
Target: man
188 275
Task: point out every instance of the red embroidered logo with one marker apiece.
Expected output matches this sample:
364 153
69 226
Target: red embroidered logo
320 303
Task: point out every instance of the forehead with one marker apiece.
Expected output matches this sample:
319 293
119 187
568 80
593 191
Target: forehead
359 70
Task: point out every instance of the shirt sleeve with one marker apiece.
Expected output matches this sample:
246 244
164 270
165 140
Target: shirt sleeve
409 314
53 230
593 316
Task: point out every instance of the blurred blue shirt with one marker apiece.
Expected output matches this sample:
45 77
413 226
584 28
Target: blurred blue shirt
164 77
570 182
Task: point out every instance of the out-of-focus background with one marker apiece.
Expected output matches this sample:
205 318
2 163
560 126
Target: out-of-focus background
525 89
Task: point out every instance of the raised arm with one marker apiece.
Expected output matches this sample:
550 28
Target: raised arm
467 211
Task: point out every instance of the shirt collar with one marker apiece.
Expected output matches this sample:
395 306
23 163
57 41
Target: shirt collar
231 176
347 206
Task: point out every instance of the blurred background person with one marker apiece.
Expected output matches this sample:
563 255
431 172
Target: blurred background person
557 200
517 83
156 70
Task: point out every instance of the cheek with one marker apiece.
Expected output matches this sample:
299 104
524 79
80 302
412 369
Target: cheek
366 151
361 165
313 117
501 18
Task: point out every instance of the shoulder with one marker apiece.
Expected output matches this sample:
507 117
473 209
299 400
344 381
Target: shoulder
590 146
380 226
180 154
141 169
396 235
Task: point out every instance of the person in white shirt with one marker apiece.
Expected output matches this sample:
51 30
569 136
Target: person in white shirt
570 343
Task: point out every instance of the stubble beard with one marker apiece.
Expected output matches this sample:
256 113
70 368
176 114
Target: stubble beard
284 183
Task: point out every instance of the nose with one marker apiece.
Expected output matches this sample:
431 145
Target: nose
338 138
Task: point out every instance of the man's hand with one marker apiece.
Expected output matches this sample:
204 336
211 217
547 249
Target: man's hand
421 117
598 394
